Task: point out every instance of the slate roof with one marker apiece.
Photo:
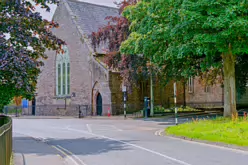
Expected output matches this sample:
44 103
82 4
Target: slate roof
90 17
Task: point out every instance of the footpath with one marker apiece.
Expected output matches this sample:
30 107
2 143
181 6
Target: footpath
29 151
71 117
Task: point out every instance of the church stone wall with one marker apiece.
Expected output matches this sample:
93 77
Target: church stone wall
163 95
79 55
100 81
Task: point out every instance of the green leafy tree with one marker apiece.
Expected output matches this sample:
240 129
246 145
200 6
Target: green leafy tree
241 75
132 68
24 37
202 36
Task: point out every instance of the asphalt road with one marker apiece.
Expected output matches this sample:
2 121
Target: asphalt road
111 142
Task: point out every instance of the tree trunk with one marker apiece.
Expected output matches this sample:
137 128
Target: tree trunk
229 85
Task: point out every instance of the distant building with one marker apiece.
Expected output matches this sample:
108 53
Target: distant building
200 96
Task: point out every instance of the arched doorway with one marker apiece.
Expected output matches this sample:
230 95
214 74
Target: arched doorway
99 105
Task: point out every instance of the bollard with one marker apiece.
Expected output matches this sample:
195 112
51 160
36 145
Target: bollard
79 112
109 112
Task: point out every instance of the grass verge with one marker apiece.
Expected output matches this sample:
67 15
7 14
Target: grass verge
218 130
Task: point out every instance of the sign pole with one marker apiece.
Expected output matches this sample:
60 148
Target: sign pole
124 90
125 106
175 101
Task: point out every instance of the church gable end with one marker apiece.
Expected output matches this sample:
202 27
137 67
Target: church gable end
71 74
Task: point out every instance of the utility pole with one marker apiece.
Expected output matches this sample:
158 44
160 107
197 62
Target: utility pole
151 88
175 101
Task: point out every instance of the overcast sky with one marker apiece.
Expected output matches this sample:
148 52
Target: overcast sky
49 15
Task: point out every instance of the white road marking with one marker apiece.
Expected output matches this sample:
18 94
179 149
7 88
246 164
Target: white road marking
160 133
210 145
105 127
71 154
88 127
116 128
133 145
44 140
65 154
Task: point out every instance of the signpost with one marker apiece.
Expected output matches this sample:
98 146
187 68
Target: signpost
124 90
175 101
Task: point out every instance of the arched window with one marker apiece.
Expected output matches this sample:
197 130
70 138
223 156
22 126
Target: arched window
63 73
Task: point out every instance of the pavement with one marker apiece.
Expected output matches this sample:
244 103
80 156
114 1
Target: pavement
111 142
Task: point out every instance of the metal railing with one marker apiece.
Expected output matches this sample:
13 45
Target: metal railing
5 140
71 110
135 110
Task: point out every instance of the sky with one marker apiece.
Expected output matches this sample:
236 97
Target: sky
49 15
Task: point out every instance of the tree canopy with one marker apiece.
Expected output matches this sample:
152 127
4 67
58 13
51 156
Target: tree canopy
132 68
24 38
192 37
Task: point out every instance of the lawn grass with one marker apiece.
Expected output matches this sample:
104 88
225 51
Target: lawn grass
218 130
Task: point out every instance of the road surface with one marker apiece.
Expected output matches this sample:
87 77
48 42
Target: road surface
111 142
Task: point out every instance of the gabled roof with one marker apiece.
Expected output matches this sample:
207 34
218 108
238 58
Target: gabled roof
90 17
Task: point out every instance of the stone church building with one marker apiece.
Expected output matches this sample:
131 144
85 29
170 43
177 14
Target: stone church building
80 78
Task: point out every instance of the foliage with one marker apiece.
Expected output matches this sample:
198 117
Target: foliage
241 75
18 100
8 111
131 67
23 52
188 109
161 109
222 130
190 38
6 95
180 109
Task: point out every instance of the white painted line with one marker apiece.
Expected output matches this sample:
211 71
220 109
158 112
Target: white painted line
71 154
88 127
65 154
116 128
106 127
133 145
210 145
161 132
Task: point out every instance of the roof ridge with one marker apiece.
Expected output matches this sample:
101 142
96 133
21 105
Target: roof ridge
93 4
